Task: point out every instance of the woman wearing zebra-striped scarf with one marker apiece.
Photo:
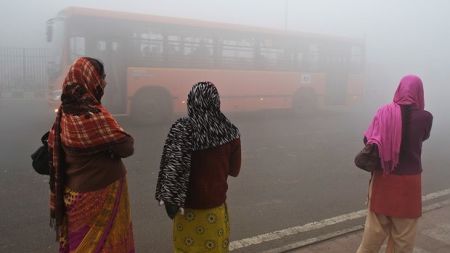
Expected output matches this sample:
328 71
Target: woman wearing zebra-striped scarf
201 150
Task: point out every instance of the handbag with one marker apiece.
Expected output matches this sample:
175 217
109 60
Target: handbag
40 158
368 158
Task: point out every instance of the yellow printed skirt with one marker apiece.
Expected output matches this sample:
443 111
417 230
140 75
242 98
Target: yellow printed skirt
202 230
98 221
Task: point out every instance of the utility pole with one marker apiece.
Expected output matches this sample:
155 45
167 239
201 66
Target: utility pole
286 3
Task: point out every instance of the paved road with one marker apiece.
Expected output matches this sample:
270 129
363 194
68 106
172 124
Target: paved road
295 170
433 235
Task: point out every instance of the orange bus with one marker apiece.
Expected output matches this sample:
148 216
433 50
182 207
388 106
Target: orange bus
152 62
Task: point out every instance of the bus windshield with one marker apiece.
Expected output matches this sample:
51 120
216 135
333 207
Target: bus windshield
55 38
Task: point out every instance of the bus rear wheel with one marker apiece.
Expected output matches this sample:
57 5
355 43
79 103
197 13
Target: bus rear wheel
151 106
305 102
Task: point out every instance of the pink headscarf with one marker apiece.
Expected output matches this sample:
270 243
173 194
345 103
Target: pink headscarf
386 127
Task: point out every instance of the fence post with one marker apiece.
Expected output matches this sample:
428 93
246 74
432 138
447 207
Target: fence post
23 70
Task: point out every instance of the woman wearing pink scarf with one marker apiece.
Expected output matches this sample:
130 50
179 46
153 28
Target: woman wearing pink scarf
395 204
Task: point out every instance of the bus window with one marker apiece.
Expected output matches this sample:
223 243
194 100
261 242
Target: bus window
237 53
101 45
111 52
273 55
194 48
288 60
150 44
77 47
299 59
313 58
146 48
188 42
356 59
356 55
144 45
156 42
173 45
56 47
173 51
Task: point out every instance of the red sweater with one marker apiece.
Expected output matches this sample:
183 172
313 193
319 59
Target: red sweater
209 172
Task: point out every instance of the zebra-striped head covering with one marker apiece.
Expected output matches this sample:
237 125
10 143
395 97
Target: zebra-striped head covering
205 127
210 126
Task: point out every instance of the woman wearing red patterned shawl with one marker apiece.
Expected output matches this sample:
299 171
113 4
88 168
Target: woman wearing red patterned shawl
395 195
89 204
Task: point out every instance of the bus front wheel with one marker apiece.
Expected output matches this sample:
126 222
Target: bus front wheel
151 106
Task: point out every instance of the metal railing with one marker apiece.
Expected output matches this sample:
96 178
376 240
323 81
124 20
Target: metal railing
23 70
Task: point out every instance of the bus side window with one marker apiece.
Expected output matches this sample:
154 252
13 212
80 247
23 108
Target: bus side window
289 57
231 50
173 45
259 57
313 58
156 43
77 47
97 49
275 54
101 45
356 59
197 49
115 46
145 45
300 60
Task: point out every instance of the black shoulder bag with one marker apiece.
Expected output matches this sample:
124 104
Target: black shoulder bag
368 158
41 157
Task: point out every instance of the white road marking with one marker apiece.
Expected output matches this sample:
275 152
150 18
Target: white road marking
275 235
290 247
321 238
295 230
419 250
416 250
440 233
436 195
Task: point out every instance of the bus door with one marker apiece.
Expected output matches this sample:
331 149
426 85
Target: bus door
336 62
111 52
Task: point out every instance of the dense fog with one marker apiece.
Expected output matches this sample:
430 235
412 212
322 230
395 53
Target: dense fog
297 163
